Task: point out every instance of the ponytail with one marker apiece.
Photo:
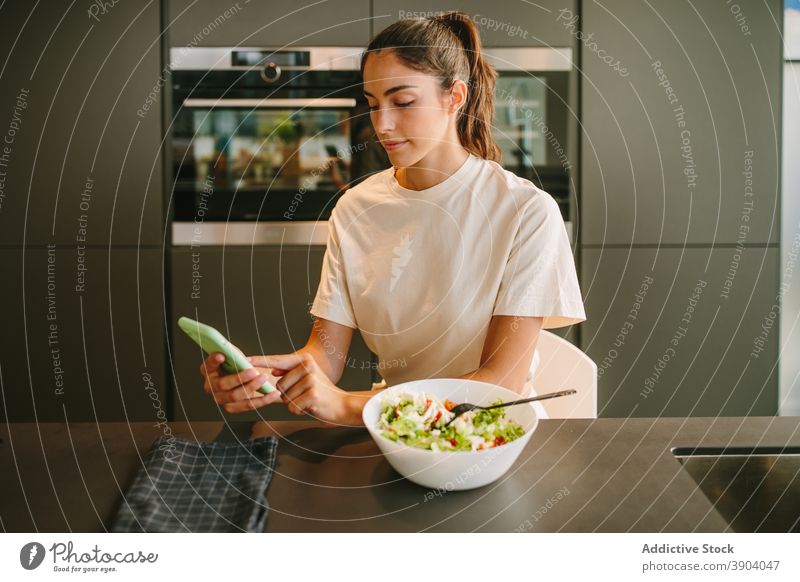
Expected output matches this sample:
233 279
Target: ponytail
449 46
477 116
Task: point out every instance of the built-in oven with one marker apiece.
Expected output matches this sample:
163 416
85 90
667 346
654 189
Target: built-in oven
267 135
263 141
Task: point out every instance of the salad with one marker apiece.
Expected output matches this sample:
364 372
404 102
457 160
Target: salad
418 420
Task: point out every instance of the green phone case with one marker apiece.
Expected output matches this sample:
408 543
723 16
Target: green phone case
212 341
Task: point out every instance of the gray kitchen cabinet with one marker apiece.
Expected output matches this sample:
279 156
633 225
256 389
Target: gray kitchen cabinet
258 297
681 122
676 332
83 336
504 23
80 102
275 23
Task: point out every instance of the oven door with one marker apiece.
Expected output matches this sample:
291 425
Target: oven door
531 128
239 156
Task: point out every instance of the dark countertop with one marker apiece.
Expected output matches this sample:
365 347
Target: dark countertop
611 475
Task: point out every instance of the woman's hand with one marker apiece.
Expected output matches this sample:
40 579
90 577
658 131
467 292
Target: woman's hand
237 392
306 389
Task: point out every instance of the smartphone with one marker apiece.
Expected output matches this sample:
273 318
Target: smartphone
212 341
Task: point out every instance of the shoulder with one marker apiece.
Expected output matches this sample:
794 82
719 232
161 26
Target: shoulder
523 195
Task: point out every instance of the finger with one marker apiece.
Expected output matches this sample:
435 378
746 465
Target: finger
290 378
247 390
297 396
306 403
267 371
252 403
210 371
292 407
232 381
222 384
281 361
297 389
211 364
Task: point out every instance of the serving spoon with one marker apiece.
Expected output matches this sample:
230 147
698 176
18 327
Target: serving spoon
460 409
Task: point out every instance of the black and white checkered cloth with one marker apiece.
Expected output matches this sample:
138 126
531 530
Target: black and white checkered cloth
186 486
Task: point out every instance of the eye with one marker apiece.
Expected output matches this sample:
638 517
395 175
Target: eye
406 104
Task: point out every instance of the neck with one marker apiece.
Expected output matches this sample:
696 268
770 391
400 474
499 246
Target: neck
434 168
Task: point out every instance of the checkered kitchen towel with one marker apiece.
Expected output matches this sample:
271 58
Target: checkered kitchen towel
186 486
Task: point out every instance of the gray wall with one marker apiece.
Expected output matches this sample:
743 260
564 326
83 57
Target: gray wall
668 125
507 23
274 23
81 219
86 80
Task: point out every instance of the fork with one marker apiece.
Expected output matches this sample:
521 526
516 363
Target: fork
460 409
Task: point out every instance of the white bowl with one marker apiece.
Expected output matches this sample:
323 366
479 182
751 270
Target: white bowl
452 470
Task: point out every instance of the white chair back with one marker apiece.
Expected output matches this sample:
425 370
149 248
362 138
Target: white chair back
562 365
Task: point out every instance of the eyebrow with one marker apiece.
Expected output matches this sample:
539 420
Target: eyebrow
394 89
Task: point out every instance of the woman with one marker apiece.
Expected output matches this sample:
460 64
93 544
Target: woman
446 263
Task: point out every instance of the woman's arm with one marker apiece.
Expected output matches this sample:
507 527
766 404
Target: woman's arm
308 376
508 351
505 361
329 343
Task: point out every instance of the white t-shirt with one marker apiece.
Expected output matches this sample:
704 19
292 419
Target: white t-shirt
421 272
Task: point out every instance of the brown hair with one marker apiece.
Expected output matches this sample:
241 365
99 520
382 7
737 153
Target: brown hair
449 47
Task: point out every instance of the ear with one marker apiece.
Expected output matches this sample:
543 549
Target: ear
458 95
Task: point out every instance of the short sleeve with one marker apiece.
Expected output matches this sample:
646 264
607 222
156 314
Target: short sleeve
540 279
332 300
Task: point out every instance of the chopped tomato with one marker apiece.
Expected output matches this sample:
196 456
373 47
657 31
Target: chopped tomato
449 405
397 410
438 416
453 442
427 404
499 441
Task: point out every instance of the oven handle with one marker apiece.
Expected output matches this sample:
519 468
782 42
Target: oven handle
274 103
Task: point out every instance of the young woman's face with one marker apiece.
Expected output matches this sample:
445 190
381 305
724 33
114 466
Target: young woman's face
409 111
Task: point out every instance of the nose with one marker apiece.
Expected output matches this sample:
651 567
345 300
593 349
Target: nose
383 120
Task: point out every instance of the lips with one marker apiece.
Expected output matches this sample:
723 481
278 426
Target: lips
391 145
